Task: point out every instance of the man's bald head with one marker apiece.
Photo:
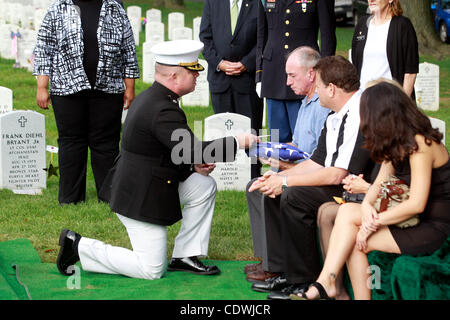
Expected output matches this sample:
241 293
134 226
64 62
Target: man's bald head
299 70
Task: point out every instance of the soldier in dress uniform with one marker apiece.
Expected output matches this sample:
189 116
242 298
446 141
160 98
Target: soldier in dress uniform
161 166
284 25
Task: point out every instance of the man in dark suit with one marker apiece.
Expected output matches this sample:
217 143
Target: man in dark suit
284 25
228 31
161 167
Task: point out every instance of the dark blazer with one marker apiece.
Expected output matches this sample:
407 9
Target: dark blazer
283 25
215 33
402 49
156 154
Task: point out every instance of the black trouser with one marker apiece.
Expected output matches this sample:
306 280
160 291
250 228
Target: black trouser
88 119
246 104
291 225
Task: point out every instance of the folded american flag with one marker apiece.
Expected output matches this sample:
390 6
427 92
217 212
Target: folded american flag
280 151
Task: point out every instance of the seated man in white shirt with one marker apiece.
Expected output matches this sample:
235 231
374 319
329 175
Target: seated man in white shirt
293 196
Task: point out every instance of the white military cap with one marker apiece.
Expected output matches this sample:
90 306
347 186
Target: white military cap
183 53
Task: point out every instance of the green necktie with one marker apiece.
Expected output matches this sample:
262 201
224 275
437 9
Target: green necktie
234 15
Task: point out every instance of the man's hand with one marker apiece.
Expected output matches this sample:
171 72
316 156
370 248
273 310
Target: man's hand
231 68
245 140
204 169
259 182
272 186
236 69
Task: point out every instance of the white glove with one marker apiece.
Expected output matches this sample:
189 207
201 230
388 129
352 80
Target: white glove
258 89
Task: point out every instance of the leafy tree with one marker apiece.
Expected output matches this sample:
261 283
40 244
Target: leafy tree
419 12
175 4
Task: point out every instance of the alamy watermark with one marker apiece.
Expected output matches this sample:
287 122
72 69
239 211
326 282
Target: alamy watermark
189 149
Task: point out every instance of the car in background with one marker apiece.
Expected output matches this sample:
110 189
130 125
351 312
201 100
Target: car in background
441 13
350 10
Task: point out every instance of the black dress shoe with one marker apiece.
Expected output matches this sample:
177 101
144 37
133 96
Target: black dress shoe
68 253
192 265
273 284
285 293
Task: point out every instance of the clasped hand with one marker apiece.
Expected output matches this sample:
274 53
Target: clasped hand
269 184
369 225
231 68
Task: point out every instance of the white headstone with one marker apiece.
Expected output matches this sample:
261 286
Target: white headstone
148 62
439 124
5 41
200 96
134 14
196 28
22 153
183 33
25 46
427 87
229 175
154 31
6 100
153 15
175 20
38 17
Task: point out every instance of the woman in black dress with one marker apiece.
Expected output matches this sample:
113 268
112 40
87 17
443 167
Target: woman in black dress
401 138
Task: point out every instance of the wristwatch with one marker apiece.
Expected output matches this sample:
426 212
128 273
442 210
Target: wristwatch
284 185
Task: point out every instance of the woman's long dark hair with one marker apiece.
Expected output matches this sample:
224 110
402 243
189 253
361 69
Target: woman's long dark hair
389 122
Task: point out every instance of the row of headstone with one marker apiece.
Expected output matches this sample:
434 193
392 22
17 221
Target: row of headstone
154 34
27 14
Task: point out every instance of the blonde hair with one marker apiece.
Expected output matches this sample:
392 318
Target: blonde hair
380 80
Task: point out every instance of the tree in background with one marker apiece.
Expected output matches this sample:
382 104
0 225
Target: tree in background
419 12
169 4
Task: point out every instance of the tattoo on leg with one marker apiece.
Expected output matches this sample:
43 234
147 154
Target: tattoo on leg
333 276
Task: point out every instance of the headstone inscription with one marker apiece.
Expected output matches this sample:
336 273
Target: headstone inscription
427 87
229 175
22 153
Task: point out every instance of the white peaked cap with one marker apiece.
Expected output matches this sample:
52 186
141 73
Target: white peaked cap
183 53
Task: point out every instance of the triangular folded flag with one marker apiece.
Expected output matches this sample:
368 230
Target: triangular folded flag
280 151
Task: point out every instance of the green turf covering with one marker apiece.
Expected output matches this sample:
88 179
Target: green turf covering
44 282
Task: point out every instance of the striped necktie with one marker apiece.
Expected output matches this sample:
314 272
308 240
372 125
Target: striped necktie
234 15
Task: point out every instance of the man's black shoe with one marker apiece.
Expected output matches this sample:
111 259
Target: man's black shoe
284 294
68 253
191 264
274 284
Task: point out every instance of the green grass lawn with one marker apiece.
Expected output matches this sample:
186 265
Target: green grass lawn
40 218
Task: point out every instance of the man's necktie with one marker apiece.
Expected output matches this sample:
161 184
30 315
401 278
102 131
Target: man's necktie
234 15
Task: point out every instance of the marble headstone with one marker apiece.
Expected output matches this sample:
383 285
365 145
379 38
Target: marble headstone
175 20
200 96
22 153
229 175
196 28
6 100
439 124
154 31
134 14
153 15
183 33
148 62
427 87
